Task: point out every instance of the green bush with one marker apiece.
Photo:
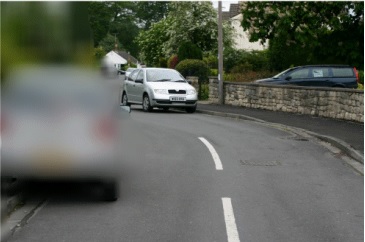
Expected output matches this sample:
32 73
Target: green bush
132 65
189 50
361 76
214 72
211 61
257 59
172 61
241 68
248 76
162 62
204 92
252 60
192 67
99 53
197 68
360 86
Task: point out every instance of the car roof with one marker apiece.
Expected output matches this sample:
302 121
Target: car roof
325 65
156 68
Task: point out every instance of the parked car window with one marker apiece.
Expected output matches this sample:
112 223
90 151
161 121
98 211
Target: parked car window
342 72
133 75
320 72
301 73
140 75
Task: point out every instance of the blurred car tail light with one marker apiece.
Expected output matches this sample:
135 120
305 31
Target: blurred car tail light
106 129
3 124
357 75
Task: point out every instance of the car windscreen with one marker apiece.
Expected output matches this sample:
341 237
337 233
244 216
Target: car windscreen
281 74
162 75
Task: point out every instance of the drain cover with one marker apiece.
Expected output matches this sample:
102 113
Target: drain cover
259 163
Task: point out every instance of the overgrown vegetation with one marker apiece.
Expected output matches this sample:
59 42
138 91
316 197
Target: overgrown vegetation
191 67
302 33
188 50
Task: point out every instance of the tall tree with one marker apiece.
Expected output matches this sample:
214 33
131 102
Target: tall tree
150 12
100 16
193 22
328 29
152 41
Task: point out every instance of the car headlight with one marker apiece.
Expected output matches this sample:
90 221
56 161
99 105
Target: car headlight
161 91
191 92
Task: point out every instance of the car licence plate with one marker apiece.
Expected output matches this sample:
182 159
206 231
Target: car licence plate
178 99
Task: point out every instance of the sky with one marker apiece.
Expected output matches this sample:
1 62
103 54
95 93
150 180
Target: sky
225 5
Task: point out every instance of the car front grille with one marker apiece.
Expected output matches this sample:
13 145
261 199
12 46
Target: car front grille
173 91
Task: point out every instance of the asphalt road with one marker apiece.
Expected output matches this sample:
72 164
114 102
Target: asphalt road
272 187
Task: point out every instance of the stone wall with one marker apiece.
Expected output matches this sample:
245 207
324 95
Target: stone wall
339 103
194 82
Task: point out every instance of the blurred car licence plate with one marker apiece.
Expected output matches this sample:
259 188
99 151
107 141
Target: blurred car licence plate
178 99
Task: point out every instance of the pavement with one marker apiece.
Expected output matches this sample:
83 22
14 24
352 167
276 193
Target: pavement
350 133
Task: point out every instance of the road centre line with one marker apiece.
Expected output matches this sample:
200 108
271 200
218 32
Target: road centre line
213 152
232 232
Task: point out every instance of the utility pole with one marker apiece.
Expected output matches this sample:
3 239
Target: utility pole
220 55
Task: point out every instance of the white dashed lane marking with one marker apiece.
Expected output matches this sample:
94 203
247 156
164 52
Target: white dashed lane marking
232 233
213 152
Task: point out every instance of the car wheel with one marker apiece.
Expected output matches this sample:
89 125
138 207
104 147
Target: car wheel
165 109
190 110
111 191
146 104
125 100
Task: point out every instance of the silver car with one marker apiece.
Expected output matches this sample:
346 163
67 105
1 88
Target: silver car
129 71
159 87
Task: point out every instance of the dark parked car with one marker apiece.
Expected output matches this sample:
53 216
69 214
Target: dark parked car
317 75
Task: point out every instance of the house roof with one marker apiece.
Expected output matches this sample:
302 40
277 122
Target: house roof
115 58
234 10
127 56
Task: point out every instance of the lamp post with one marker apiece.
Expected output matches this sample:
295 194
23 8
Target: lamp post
220 55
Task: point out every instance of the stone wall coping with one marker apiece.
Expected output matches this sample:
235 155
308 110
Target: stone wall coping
334 89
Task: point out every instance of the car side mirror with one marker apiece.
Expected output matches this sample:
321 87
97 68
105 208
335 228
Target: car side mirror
125 109
138 81
288 78
189 81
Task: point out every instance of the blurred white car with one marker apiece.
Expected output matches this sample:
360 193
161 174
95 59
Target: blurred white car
60 123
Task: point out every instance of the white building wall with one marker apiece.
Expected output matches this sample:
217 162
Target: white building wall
242 38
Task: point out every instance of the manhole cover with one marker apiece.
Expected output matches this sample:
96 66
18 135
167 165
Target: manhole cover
259 163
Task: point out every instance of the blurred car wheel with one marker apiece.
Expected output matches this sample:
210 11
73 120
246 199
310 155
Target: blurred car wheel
111 191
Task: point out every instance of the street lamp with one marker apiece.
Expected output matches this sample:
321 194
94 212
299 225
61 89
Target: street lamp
220 55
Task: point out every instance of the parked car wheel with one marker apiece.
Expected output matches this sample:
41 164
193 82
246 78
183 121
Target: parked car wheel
190 110
146 104
125 100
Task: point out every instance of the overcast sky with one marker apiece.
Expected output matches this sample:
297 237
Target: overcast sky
225 5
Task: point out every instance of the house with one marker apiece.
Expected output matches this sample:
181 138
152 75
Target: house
120 58
114 58
127 57
241 38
